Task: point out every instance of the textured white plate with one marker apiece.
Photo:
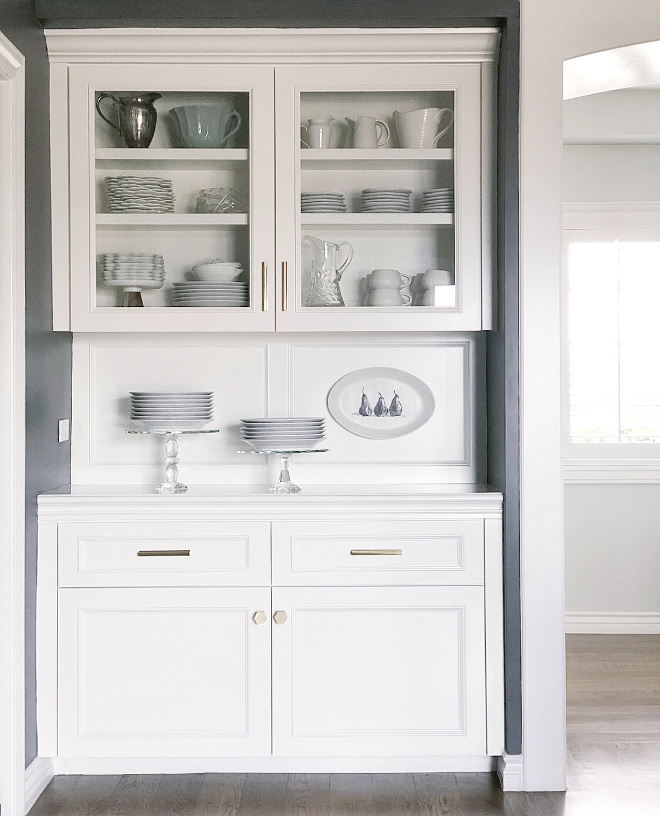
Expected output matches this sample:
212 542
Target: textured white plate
416 399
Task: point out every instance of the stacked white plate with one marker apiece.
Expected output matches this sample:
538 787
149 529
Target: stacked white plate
440 200
322 202
211 294
283 433
133 269
171 410
139 194
384 201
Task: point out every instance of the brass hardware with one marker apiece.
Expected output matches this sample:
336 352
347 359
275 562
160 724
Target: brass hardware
264 286
376 552
163 552
285 284
280 617
260 618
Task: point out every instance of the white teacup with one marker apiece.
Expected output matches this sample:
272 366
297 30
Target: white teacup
436 277
389 297
387 279
421 128
318 132
440 296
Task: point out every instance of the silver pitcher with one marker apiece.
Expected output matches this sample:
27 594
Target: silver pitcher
136 116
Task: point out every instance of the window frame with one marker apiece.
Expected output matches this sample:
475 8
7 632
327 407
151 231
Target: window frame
605 462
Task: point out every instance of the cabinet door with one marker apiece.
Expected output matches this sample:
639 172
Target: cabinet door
163 672
394 207
379 671
201 191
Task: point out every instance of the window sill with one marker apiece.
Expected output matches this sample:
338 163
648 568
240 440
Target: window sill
612 471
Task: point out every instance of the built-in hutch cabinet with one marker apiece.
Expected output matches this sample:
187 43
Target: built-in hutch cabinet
346 628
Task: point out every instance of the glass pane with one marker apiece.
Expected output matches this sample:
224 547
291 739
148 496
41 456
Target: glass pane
173 203
377 193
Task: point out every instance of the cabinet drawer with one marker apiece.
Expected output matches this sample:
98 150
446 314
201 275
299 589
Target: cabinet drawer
399 552
164 554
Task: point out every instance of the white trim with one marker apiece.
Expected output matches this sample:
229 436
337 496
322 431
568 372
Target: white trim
596 215
12 420
37 775
217 45
632 66
272 764
612 471
510 771
613 623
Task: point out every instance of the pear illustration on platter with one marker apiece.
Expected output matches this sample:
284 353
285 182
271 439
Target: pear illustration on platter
396 409
380 409
365 406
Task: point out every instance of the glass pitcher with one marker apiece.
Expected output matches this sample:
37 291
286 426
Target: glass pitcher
326 273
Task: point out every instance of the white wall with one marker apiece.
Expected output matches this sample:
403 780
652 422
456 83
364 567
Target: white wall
612 530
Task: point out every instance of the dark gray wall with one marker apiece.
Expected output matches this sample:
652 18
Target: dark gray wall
48 355
502 345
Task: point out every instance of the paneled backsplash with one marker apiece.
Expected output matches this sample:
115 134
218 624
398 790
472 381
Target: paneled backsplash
266 375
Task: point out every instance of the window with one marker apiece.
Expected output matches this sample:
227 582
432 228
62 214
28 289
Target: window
612 355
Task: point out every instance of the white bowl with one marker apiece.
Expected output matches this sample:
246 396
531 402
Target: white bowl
216 272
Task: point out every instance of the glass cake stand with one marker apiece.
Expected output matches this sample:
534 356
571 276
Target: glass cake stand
284 483
172 483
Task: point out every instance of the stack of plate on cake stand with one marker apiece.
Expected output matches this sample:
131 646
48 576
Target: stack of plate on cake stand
322 202
440 200
171 411
139 194
211 293
384 201
283 433
132 271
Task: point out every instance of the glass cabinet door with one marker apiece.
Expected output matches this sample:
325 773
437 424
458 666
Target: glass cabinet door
382 186
171 187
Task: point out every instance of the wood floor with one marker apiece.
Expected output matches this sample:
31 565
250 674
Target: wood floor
613 753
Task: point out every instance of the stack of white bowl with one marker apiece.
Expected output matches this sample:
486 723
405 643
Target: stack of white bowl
171 410
384 201
133 269
283 433
139 194
322 202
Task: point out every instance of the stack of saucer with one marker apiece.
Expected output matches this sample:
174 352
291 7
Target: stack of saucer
139 194
211 293
440 200
322 202
138 270
171 411
384 201
283 433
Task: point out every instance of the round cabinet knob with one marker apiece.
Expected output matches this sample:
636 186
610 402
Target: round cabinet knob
260 618
280 616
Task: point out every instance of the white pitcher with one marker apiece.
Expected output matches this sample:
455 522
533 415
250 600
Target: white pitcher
318 132
420 128
368 132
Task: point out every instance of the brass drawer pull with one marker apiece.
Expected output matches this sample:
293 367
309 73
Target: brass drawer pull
163 552
260 618
264 287
280 617
376 552
285 284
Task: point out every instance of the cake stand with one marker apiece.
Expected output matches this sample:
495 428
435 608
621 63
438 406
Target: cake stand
172 483
284 483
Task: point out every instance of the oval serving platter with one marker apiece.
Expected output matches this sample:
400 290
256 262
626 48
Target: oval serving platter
355 403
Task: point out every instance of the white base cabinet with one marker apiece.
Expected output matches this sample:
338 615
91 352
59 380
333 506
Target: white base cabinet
227 628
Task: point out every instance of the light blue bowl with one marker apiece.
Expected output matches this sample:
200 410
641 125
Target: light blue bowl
206 126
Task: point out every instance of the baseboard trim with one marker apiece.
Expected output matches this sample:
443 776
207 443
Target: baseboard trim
37 775
612 623
170 765
510 772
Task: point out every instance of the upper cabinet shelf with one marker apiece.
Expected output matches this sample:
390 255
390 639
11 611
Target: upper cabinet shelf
237 170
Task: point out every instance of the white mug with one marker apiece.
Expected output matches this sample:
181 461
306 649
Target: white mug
318 132
420 128
387 279
440 296
389 297
436 277
368 132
